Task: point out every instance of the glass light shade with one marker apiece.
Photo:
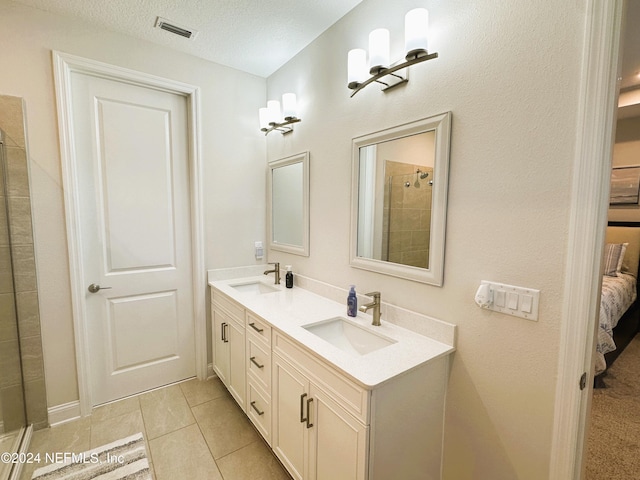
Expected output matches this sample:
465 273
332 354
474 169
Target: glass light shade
416 26
273 110
289 106
263 114
356 66
378 50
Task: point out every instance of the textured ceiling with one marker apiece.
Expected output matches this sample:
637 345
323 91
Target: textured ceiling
255 36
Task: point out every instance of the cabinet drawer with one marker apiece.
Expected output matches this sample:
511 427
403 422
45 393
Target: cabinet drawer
258 326
223 302
259 410
259 362
346 392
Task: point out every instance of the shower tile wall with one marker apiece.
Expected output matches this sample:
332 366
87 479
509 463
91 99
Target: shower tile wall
407 214
18 198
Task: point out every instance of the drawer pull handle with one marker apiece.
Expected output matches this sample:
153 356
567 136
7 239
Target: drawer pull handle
253 405
309 424
223 332
302 419
253 360
259 330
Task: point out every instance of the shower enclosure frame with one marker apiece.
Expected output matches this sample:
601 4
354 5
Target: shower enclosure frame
12 465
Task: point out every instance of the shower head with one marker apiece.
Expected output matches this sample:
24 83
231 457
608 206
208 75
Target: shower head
420 175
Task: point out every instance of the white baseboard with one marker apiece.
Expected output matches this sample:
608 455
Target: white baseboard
71 411
64 413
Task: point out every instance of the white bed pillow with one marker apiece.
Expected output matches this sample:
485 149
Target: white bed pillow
613 258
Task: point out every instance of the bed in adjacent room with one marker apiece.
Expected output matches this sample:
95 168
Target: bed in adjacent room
619 311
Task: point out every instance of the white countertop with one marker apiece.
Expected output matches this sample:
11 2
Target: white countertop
289 309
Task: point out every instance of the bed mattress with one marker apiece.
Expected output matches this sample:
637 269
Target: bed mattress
618 294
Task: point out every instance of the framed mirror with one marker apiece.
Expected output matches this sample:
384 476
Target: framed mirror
399 200
288 204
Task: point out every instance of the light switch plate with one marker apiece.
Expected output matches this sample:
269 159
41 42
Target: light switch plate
515 301
259 250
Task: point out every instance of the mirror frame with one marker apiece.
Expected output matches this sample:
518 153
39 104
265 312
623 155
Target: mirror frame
433 275
283 162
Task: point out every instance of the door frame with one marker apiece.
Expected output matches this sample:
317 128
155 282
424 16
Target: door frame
597 104
64 65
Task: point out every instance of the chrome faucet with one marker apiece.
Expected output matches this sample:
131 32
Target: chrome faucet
276 270
375 305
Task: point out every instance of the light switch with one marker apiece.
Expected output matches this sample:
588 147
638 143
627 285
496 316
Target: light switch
500 298
259 250
526 304
512 300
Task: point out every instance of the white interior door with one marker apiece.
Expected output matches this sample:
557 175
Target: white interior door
132 159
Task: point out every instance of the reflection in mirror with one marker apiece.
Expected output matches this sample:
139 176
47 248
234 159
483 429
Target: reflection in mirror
399 201
288 204
401 174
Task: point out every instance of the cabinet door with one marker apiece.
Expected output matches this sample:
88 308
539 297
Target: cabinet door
289 437
338 442
220 345
237 368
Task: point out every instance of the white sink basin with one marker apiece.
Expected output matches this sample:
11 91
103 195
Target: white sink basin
254 287
348 336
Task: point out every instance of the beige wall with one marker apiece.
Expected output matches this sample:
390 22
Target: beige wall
508 72
626 152
232 146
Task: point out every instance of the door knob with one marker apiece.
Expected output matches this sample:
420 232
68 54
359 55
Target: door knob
95 288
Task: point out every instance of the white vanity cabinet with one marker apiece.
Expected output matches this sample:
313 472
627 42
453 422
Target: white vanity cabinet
326 416
327 427
320 417
229 345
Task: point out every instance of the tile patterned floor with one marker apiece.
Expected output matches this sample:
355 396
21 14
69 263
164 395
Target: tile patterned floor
193 430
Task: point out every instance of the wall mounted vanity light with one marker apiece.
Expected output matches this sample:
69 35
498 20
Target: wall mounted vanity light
360 73
272 117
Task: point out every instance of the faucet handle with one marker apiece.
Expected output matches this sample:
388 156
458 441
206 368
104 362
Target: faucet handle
373 294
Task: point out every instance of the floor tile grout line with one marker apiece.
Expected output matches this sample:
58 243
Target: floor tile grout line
195 393
259 439
205 438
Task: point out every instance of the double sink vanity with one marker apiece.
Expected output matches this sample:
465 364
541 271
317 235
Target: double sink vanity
333 396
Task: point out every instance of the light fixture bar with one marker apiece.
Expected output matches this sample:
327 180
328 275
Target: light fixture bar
415 57
274 118
283 127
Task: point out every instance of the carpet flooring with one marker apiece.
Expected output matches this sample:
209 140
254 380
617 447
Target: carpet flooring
613 443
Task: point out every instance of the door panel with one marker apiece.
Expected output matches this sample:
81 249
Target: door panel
290 440
237 367
128 162
221 363
132 153
338 441
130 320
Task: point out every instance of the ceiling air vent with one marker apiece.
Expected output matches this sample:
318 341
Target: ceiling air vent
169 26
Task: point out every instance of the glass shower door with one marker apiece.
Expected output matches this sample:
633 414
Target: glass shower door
12 404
